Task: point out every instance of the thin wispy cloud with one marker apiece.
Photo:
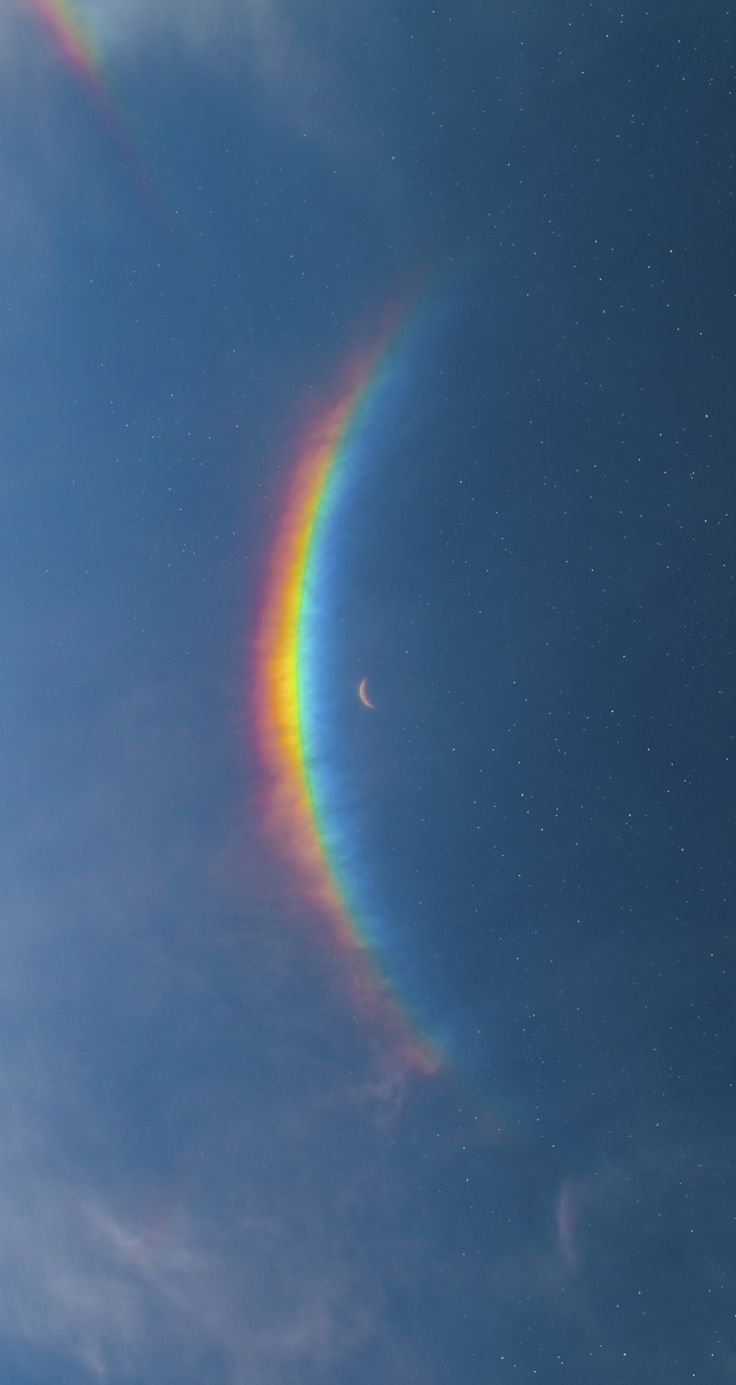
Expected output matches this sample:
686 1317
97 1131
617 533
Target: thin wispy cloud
292 53
240 1245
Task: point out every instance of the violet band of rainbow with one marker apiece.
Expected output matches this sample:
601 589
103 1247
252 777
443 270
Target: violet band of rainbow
289 648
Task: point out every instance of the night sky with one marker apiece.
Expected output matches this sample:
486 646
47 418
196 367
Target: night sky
487 1137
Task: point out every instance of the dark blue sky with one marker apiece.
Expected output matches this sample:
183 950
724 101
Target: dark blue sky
212 1171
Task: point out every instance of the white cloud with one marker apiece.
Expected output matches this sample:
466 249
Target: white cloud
289 48
123 1282
237 1243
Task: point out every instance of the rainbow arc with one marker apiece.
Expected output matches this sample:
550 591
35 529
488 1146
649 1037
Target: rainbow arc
289 634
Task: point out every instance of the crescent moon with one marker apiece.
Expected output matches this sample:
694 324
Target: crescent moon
363 694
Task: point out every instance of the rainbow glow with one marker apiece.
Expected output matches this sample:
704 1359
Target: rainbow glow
289 642
70 38
76 49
